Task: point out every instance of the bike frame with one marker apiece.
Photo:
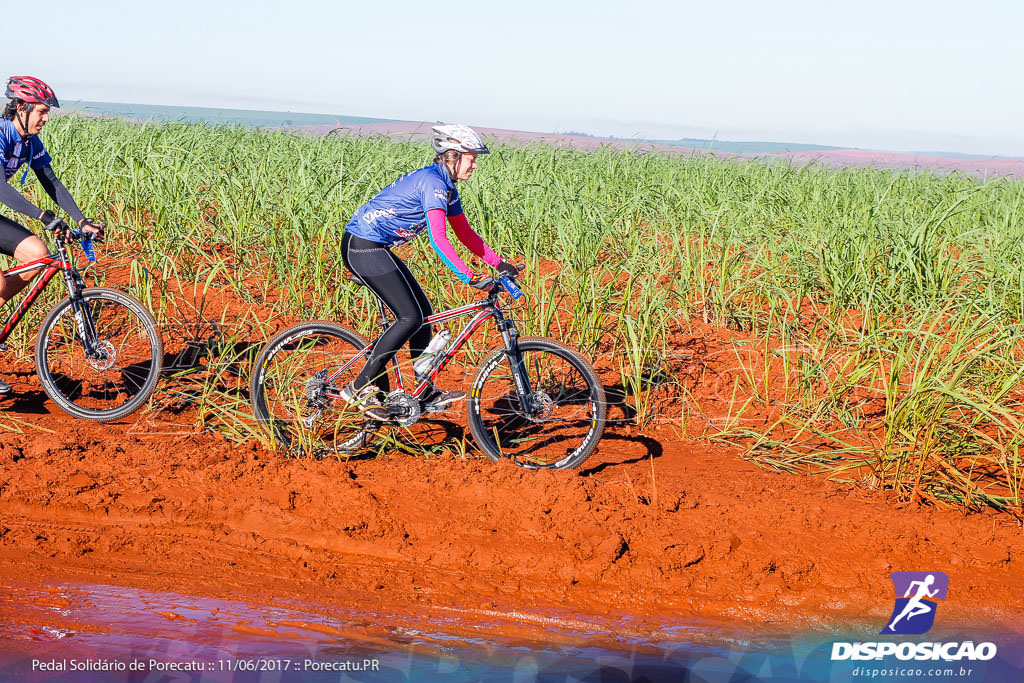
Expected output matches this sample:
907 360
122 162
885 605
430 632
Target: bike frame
51 264
481 311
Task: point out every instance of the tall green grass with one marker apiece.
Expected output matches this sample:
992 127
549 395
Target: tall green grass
897 297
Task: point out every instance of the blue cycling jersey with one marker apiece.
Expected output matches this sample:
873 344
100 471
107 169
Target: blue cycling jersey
399 212
15 150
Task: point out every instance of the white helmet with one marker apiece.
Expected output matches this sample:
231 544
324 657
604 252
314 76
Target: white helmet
459 138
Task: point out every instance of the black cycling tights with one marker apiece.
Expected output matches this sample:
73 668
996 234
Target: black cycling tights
389 278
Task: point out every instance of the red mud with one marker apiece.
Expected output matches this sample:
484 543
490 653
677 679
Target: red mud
656 524
652 525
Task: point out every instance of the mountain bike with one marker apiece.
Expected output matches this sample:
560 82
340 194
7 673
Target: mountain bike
99 352
533 400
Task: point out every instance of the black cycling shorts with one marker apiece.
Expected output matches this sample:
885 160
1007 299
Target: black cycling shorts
11 235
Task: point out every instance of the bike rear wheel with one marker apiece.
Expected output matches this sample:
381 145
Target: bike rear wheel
119 374
569 407
296 385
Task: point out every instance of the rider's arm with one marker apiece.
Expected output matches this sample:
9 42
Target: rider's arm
473 241
58 193
439 241
14 199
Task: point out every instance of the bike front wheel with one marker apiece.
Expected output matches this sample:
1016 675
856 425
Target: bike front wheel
111 371
296 390
567 409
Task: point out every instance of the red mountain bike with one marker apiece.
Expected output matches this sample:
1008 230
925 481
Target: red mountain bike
532 400
99 353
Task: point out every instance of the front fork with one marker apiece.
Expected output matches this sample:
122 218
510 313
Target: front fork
510 335
83 317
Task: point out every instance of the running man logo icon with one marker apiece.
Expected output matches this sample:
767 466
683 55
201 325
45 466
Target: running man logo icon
917 596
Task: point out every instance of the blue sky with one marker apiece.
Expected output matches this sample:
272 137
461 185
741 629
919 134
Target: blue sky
908 75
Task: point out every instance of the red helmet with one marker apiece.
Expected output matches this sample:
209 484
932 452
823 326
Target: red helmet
31 90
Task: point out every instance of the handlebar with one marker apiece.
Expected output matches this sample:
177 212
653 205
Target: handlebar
54 224
507 282
64 233
73 233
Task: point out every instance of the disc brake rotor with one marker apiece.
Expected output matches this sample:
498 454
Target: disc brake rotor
103 357
542 407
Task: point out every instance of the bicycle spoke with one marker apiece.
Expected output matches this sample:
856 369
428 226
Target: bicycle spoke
104 377
296 392
563 424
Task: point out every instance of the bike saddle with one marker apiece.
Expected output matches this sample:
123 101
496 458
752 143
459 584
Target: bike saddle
356 279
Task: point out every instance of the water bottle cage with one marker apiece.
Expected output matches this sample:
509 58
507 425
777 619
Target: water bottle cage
432 355
426 365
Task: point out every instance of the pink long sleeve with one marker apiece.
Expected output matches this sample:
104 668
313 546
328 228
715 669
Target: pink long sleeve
473 241
439 241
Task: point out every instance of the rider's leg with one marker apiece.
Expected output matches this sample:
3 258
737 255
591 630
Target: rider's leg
19 242
434 399
376 266
421 337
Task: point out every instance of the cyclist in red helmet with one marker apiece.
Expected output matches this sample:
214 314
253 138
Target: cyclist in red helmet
28 110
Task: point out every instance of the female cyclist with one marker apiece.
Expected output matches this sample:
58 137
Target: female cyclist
24 116
418 201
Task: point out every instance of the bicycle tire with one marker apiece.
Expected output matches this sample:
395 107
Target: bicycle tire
573 420
125 377
302 416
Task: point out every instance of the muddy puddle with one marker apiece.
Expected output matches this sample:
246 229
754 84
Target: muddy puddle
89 632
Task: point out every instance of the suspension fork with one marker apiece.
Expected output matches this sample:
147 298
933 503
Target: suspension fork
83 317
510 335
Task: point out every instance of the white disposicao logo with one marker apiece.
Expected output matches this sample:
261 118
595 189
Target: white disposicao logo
922 652
916 594
914 607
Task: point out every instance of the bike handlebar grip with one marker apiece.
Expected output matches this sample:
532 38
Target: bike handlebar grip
101 227
485 283
52 225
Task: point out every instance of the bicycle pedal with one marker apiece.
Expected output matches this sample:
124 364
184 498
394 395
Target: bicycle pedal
432 409
435 410
3 348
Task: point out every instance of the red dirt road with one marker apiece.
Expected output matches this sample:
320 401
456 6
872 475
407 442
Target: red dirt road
651 525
